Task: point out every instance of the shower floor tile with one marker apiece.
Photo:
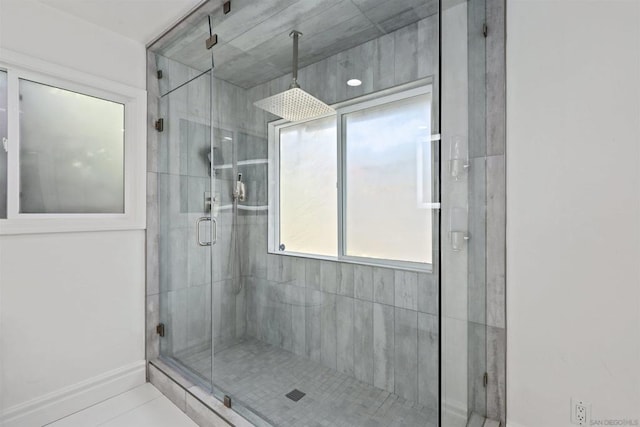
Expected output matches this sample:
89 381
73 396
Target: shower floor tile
258 376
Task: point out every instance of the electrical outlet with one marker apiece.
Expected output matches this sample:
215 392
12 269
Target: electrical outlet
580 412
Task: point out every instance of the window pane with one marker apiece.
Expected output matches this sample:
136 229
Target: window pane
71 152
308 194
3 152
388 178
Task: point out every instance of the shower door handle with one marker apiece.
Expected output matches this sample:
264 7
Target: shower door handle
215 230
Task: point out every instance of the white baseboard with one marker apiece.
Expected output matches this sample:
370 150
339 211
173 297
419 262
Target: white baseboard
66 401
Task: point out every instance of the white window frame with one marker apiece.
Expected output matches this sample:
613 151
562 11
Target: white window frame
420 87
18 67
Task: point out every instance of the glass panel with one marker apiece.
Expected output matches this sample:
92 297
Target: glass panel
3 151
308 194
388 181
282 323
184 184
71 152
464 213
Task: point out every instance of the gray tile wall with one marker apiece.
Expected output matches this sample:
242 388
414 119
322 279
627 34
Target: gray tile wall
487 209
178 269
377 324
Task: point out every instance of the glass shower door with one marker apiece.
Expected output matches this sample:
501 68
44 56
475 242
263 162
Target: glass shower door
186 231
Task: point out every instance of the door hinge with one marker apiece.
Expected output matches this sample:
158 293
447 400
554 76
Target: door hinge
159 74
212 41
159 125
485 30
226 7
227 401
160 329
485 379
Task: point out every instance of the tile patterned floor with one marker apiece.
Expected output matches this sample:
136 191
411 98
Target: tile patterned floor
259 375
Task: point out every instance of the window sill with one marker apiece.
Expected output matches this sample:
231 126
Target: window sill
395 265
68 225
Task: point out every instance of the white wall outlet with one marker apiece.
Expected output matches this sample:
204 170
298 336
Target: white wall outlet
580 412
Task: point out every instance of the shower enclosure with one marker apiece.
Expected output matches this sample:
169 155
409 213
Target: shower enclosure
330 270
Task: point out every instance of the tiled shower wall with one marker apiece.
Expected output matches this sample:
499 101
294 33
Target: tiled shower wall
377 324
487 208
178 269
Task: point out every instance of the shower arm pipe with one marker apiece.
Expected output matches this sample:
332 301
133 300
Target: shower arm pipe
296 35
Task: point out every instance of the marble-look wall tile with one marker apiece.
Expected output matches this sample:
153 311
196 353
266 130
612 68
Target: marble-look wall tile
428 299
496 77
312 273
296 296
357 62
363 282
241 310
476 57
383 285
345 279
176 324
496 369
406 52
326 88
384 66
478 240
329 276
383 347
313 323
428 41
406 353
428 60
496 238
199 315
428 356
476 367
406 289
274 271
328 340
153 231
152 320
344 330
363 340
153 110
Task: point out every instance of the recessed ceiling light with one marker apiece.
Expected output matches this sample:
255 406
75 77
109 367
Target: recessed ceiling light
354 82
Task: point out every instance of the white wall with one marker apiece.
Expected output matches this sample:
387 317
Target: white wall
71 304
573 208
35 29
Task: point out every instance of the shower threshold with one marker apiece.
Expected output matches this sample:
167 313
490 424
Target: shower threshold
259 376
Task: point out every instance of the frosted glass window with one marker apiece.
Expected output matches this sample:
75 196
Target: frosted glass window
388 181
308 194
71 152
3 142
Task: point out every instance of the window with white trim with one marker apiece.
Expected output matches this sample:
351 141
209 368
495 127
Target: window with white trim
72 154
356 186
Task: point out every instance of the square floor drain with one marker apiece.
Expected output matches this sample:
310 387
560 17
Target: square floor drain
295 395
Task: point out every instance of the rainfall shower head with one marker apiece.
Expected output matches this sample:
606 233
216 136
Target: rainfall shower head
295 104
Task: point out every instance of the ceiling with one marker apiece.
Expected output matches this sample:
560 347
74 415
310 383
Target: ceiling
253 40
140 20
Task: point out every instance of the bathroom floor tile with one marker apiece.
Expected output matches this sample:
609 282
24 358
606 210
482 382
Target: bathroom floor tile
259 376
143 406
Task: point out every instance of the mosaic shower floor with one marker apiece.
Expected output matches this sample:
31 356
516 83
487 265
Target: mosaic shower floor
259 376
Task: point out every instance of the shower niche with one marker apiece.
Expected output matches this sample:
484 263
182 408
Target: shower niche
265 336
